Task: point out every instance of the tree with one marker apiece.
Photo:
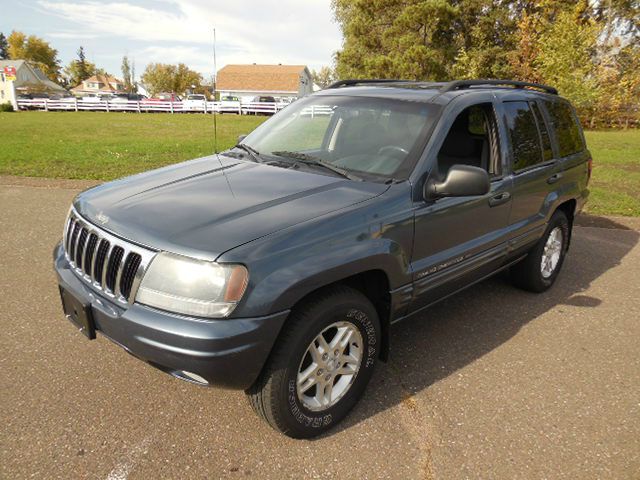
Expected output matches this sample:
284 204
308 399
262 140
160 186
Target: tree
83 68
395 38
4 47
160 77
566 58
36 51
79 70
323 77
129 75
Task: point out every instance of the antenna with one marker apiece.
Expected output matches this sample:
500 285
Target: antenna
215 81
215 116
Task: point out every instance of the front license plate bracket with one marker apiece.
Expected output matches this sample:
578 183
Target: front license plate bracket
79 313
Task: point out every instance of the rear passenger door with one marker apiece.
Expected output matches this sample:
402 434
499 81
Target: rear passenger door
533 167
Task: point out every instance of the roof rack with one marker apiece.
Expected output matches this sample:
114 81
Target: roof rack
462 84
352 82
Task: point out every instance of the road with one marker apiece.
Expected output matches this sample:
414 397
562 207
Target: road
492 383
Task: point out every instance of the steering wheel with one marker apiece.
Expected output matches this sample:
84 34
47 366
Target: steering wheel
393 150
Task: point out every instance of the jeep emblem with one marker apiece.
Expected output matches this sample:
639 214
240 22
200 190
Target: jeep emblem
102 218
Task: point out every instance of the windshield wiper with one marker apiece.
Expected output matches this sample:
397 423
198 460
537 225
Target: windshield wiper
255 155
311 160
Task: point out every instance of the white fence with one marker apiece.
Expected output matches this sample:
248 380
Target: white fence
77 105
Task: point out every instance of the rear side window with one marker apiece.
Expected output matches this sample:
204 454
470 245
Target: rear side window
566 127
547 152
523 132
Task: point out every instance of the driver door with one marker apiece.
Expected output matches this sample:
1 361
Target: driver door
459 240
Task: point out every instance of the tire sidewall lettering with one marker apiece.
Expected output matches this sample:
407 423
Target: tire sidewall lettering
321 420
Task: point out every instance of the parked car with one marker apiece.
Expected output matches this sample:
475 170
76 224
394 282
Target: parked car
194 103
127 97
264 99
164 97
90 97
278 266
229 104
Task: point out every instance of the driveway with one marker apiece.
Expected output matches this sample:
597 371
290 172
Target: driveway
491 383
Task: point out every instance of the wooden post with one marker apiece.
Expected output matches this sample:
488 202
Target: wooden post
138 105
107 102
171 102
46 105
75 103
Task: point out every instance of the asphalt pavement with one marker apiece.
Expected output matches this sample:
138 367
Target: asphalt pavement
492 383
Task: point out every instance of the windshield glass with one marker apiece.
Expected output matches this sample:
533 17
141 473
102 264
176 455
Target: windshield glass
195 97
359 134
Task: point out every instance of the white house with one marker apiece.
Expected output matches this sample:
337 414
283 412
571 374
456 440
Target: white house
279 81
28 79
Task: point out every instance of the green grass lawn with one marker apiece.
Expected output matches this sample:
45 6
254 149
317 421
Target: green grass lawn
615 182
103 146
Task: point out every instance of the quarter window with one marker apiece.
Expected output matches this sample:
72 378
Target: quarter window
566 127
523 132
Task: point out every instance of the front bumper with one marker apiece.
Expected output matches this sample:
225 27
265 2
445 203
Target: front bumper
227 352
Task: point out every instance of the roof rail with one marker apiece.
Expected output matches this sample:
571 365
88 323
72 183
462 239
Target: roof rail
352 82
461 84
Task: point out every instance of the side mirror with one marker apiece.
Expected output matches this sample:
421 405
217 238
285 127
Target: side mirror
241 138
461 181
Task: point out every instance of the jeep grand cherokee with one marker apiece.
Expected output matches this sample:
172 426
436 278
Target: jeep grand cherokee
278 266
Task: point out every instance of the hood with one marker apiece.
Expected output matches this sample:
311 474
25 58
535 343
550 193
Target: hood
207 206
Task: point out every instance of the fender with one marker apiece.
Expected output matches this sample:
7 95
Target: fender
286 266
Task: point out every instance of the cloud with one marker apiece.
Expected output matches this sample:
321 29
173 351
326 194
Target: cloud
269 31
71 35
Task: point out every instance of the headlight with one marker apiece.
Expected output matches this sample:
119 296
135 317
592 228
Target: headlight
194 287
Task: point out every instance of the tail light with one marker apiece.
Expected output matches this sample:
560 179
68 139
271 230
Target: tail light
589 169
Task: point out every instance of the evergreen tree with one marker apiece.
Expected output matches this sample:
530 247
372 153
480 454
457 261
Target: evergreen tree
4 47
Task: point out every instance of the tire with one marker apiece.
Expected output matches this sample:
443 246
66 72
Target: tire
303 413
530 274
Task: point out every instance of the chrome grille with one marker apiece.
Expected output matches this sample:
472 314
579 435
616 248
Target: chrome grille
109 264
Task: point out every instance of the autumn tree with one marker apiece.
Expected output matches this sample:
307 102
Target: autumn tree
160 77
588 49
566 55
323 77
36 51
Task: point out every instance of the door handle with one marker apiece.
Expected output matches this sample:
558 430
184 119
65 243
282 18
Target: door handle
554 178
499 199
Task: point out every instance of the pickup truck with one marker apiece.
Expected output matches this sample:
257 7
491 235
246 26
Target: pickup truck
278 266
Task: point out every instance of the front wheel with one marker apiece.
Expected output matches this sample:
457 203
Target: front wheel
321 364
539 270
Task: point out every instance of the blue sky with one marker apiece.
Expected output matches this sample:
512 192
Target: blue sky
172 31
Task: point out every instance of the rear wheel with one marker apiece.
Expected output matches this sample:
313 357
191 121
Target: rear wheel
539 270
321 364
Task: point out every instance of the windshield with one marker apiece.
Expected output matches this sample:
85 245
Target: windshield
358 134
195 97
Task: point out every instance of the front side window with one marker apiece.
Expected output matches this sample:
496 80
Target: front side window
566 127
472 140
523 133
358 134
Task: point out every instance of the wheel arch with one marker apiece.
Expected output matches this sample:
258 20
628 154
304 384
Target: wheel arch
568 207
373 284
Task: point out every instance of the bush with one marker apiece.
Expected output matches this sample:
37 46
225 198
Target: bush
6 107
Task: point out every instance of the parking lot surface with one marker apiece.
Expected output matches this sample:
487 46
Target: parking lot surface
492 383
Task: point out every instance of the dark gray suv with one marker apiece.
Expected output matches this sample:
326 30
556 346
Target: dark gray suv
278 266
